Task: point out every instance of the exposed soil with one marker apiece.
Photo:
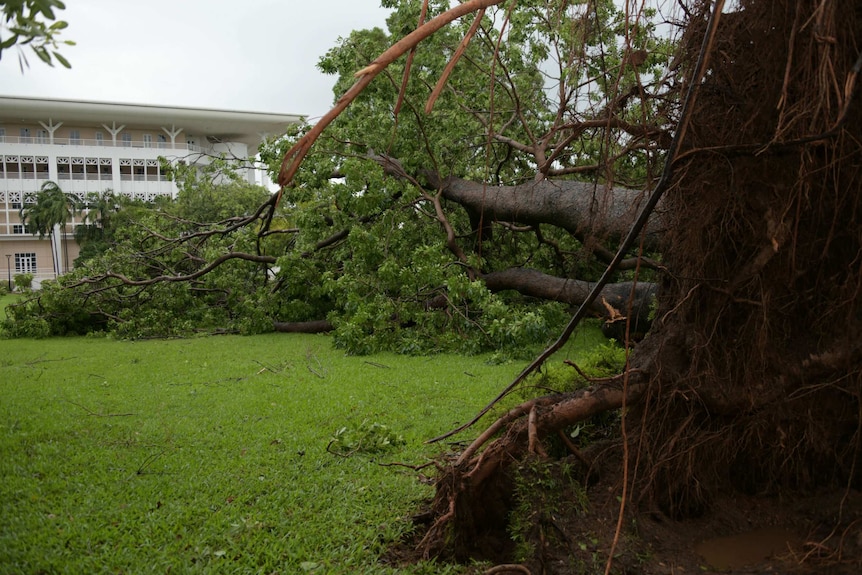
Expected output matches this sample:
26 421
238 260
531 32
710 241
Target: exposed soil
565 528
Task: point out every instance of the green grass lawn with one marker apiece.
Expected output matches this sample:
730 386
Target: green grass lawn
209 455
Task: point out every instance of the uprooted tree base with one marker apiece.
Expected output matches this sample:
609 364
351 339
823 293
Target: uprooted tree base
750 381
566 526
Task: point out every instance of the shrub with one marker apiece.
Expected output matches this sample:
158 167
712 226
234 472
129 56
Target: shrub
23 281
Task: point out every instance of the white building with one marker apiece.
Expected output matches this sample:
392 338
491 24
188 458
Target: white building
93 146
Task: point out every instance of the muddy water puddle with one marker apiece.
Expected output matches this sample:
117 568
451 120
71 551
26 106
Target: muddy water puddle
735 551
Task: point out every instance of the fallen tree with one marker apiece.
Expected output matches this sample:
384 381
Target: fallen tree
751 380
417 235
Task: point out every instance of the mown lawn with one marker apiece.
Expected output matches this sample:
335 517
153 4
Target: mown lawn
209 455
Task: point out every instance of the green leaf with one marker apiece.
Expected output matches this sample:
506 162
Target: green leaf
8 43
43 54
44 6
62 60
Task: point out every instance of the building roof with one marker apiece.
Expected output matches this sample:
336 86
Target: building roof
216 125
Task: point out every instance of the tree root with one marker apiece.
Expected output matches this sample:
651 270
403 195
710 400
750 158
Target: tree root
507 569
471 492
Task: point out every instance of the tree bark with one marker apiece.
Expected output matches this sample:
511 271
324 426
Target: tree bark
613 303
314 326
583 209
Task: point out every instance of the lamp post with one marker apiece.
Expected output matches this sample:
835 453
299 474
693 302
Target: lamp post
9 271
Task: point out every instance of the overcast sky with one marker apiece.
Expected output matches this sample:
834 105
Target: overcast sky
250 55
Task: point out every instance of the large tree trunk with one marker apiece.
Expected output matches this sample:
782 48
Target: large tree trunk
765 248
583 209
312 326
616 302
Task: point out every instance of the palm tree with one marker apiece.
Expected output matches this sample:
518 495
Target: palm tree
53 208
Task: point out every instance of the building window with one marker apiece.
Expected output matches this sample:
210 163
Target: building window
163 140
63 171
127 140
2 134
20 228
98 168
100 138
78 166
148 140
28 169
42 171
75 137
106 169
42 137
11 167
25 135
25 167
25 263
125 170
154 172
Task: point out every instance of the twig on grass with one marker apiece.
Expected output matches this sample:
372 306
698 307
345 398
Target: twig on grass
345 455
266 367
95 414
407 465
148 461
375 364
41 360
309 356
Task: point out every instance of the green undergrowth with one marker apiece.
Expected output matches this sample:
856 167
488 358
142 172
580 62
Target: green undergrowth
261 454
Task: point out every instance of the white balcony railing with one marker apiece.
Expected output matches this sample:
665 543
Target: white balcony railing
37 141
26 175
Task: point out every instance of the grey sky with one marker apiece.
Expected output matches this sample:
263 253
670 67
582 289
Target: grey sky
256 55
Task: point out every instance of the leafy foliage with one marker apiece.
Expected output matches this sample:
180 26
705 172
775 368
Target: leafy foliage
124 239
33 23
366 437
601 361
387 260
23 281
369 251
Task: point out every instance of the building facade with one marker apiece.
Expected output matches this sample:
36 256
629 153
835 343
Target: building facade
89 147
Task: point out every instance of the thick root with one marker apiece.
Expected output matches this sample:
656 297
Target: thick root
475 493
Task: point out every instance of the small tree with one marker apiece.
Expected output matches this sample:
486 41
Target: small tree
23 282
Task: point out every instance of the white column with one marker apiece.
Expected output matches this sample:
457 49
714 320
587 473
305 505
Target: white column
173 133
115 172
114 130
51 127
